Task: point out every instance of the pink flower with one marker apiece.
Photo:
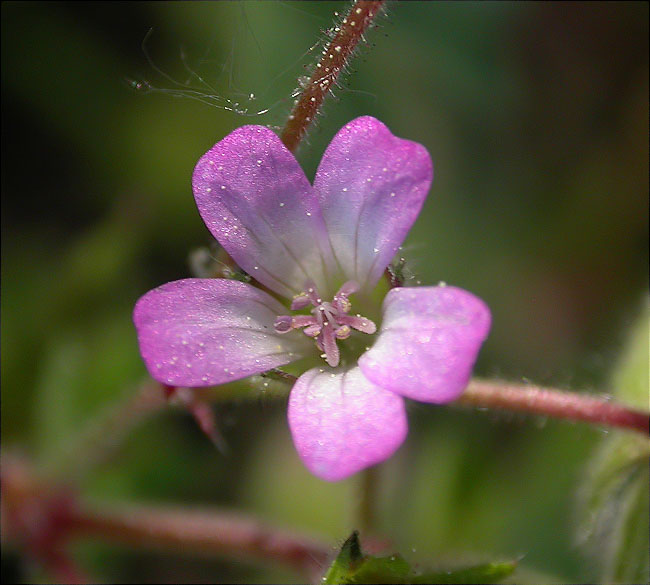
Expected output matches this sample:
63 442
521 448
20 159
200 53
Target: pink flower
321 251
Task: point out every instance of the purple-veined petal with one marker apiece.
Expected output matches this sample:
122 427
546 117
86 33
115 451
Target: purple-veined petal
428 342
371 186
256 201
202 332
342 423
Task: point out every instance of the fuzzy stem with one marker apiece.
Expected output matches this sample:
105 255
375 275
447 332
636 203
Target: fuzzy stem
536 400
554 403
340 49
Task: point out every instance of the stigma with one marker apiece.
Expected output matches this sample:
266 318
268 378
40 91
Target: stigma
327 322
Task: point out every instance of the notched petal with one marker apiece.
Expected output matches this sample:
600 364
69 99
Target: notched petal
371 186
256 201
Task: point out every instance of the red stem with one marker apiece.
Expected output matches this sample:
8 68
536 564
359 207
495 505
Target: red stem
202 531
347 35
45 516
554 403
540 401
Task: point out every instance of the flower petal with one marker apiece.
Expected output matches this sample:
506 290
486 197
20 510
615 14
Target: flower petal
342 423
257 202
371 186
428 342
201 332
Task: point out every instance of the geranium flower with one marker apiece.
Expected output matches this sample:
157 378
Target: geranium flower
319 251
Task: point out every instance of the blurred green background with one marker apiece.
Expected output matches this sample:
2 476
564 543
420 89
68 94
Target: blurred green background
536 117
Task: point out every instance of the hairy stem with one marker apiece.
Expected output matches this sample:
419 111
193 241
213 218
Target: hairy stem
554 403
536 400
339 50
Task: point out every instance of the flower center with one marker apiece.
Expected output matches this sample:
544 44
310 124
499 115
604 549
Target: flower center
327 321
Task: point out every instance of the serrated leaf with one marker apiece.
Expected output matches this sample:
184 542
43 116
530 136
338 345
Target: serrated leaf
614 500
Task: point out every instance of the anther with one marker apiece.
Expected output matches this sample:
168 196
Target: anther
312 330
343 332
300 302
282 324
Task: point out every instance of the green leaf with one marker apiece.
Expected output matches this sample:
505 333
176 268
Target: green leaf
614 510
393 569
352 567
477 574
614 500
346 562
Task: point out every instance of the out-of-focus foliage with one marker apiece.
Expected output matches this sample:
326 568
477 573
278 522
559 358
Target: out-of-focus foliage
536 117
614 499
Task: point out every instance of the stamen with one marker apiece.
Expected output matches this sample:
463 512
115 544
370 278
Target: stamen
300 302
343 304
330 348
328 322
341 297
312 330
343 332
303 321
312 293
359 323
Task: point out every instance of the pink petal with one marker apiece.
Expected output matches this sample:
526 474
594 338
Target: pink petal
428 342
342 423
201 332
371 186
257 202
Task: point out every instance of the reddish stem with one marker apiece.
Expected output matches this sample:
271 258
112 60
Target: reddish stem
64 570
536 400
554 403
347 35
202 531
44 517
